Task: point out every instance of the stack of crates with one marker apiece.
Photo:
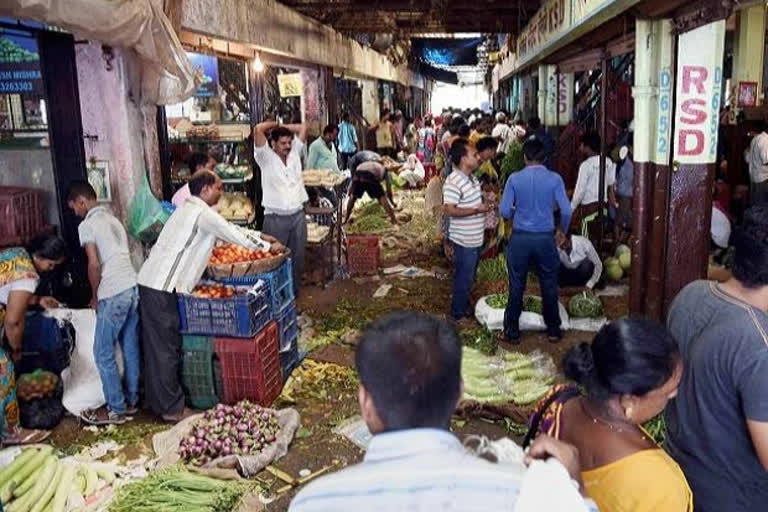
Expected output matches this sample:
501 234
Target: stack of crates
283 310
230 348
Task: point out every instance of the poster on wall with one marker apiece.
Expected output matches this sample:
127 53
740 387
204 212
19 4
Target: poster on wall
98 177
290 85
747 94
19 65
208 68
699 80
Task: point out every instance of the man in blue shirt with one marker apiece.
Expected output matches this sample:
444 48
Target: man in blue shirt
530 198
322 152
347 140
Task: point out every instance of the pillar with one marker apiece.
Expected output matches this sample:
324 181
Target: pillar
749 48
674 170
654 75
544 75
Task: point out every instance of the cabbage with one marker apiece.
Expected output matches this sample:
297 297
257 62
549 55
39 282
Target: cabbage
613 269
585 305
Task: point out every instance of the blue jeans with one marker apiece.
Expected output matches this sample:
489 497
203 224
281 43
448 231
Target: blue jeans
464 267
117 321
538 249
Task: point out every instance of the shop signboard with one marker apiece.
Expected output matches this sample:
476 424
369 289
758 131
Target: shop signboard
549 21
207 67
580 9
19 65
699 80
564 98
290 84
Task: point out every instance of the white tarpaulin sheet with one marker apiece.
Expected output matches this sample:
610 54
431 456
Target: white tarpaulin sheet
167 77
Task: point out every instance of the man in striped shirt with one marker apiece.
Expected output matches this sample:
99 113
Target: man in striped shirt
410 382
463 205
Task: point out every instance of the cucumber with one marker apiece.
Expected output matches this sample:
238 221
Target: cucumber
17 463
105 474
47 495
27 476
64 488
91 479
6 493
29 499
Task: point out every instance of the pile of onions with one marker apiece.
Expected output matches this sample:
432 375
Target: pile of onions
242 429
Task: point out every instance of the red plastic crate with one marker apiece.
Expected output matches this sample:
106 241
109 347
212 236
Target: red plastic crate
251 368
362 254
22 212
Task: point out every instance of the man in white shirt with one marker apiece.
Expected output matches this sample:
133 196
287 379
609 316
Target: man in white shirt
175 265
580 264
410 382
502 133
585 195
283 187
757 158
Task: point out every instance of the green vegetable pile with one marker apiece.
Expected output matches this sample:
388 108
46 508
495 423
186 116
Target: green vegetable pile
511 377
370 218
656 428
585 305
532 304
513 161
175 489
480 339
497 301
36 480
492 269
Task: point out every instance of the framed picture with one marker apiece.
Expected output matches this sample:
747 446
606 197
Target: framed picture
747 94
98 177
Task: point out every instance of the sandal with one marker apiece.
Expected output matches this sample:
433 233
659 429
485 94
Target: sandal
24 436
102 416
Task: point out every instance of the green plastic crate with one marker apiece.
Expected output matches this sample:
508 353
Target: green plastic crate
198 372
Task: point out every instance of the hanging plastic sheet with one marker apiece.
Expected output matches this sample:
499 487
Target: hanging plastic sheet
140 25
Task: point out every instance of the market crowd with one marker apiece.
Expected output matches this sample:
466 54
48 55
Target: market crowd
706 369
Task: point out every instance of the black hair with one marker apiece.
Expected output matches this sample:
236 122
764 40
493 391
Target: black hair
196 160
200 180
629 356
534 123
487 143
278 132
463 130
533 150
385 113
458 150
345 116
750 240
592 141
80 188
49 247
410 364
330 129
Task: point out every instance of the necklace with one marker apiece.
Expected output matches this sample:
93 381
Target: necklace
614 428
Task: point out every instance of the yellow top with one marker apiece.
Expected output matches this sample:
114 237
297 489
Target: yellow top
646 481
384 135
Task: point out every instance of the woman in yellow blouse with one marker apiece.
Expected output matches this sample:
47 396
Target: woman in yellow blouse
628 373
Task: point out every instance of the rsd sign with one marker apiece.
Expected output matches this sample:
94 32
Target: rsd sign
699 83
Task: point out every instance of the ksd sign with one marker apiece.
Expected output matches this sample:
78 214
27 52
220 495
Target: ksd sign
699 82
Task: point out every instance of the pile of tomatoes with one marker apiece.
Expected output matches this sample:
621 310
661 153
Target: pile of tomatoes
224 254
213 291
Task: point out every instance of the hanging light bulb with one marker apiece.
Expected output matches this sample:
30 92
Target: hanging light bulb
257 65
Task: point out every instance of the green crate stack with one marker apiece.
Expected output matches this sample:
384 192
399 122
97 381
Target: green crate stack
198 372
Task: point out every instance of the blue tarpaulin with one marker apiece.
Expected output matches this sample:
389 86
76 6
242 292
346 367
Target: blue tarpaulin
446 52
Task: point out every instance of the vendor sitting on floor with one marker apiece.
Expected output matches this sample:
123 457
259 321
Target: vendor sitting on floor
367 175
19 276
413 172
580 264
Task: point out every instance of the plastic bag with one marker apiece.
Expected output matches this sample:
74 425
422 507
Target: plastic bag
493 318
146 216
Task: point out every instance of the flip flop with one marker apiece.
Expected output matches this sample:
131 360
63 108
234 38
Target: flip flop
26 436
92 417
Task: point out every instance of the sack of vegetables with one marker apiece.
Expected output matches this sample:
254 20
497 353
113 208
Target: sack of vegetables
40 396
244 435
38 384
